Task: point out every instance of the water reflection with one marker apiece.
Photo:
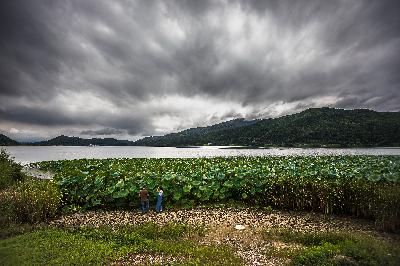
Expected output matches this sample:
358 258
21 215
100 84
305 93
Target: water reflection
27 154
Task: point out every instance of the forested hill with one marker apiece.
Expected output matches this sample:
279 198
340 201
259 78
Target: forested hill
6 141
195 136
312 127
76 141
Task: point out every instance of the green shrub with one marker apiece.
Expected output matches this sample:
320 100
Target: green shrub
316 255
29 201
10 171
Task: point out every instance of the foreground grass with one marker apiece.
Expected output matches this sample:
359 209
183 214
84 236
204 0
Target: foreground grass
12 229
83 246
332 248
181 238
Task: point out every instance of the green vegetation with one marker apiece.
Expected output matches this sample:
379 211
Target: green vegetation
366 186
29 201
83 246
317 127
25 202
23 199
10 172
332 248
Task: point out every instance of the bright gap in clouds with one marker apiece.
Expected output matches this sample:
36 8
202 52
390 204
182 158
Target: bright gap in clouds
179 112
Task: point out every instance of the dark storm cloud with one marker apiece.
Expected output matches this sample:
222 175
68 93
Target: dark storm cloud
39 116
29 48
113 67
51 116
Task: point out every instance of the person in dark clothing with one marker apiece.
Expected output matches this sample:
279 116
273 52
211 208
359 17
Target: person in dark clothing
144 200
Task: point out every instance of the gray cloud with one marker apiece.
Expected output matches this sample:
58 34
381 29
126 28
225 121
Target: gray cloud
103 131
141 67
29 49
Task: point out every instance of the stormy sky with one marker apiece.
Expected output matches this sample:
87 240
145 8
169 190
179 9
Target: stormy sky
127 69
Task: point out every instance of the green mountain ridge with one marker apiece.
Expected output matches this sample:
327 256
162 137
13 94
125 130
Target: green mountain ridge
76 141
6 141
194 136
313 127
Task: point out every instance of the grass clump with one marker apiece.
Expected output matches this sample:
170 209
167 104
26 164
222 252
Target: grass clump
52 247
88 245
333 248
13 229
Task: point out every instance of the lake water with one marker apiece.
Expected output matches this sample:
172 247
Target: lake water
28 154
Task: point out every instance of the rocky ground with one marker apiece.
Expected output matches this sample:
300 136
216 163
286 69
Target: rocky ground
223 224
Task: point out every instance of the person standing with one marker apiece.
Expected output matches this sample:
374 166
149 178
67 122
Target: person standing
144 200
159 199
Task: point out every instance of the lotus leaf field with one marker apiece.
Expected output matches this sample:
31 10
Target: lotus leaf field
365 186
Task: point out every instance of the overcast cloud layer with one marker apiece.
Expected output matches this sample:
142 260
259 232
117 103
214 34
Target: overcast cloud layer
134 68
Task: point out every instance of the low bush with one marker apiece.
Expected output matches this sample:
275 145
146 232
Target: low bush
29 201
10 171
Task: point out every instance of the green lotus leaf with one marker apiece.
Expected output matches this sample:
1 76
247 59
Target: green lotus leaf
120 184
187 188
116 174
196 183
121 194
98 181
203 187
228 184
177 196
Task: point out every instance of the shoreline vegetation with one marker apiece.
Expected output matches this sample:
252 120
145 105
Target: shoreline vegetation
364 186
311 210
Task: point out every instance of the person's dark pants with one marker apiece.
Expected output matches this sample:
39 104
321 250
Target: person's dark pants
144 205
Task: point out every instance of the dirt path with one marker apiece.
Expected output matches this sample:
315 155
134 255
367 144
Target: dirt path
247 242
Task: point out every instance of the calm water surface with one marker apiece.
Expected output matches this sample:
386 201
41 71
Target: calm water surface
28 154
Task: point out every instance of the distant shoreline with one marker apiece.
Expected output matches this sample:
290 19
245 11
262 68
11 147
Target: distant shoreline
218 146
